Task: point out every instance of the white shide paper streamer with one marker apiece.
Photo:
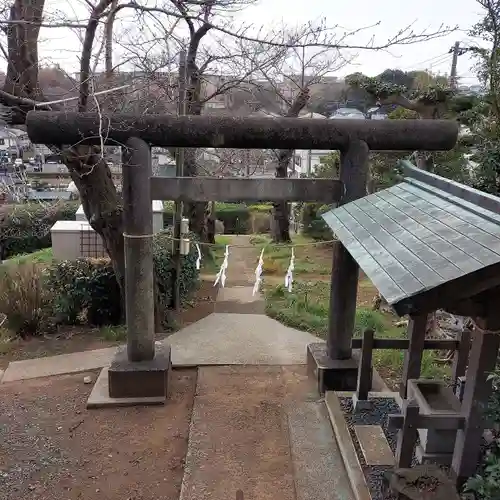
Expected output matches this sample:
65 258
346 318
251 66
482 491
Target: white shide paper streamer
198 260
289 273
221 275
258 273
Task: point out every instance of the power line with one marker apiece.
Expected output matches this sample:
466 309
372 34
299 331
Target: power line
445 56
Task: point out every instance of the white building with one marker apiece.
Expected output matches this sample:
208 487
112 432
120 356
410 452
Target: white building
21 137
9 141
305 161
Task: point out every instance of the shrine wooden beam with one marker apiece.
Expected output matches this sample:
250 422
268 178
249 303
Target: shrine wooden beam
401 344
47 127
191 189
438 422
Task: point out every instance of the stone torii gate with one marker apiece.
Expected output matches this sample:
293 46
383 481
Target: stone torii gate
141 371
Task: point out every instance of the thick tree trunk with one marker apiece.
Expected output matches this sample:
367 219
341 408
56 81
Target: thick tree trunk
280 229
210 223
22 41
100 200
21 80
196 211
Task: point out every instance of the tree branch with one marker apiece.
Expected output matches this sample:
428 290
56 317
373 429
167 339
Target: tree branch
88 42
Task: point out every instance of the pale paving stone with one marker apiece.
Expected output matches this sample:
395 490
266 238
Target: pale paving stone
374 445
58 365
318 466
241 294
233 339
218 339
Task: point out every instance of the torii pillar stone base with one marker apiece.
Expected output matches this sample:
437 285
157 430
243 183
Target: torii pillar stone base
141 379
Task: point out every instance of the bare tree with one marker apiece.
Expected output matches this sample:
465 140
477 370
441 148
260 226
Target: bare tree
87 166
299 71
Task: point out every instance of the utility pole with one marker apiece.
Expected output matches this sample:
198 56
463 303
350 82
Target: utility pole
179 172
455 50
309 159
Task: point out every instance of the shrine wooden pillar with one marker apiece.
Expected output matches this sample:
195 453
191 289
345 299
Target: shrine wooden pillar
477 392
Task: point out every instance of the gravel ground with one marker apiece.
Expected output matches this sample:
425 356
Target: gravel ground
52 447
377 415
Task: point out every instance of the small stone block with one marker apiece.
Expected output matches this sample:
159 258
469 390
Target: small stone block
99 397
432 458
143 379
330 374
360 404
374 445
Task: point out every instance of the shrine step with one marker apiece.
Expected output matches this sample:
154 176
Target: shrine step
261 430
319 469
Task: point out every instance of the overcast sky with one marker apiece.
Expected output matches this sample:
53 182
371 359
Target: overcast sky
63 46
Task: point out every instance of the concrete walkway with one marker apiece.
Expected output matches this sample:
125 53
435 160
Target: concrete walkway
258 424
218 339
238 333
261 430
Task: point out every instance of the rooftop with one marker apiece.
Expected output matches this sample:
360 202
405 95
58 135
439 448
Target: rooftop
425 242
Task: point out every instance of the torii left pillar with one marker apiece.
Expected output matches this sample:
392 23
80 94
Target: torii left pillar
139 371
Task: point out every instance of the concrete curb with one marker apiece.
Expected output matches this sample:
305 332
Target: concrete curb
346 446
378 383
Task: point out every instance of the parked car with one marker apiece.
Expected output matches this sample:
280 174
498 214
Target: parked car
349 114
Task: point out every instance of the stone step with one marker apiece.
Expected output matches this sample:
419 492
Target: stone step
318 466
238 437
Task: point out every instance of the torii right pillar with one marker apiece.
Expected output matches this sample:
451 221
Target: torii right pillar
333 367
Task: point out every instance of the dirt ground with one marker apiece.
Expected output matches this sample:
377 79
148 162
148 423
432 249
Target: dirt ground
76 339
52 447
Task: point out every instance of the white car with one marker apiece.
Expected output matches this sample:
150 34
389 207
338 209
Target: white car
348 114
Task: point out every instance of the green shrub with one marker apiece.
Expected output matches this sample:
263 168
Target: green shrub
263 208
164 265
368 319
25 228
87 288
486 484
493 409
260 222
313 224
168 214
23 299
235 217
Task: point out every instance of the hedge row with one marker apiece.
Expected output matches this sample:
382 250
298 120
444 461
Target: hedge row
237 218
88 287
245 219
313 224
26 228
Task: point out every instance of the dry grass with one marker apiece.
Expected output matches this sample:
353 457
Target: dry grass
310 259
23 298
307 308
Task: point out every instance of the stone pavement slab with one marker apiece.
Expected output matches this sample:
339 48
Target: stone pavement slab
239 300
231 339
241 294
318 466
238 438
218 339
58 365
374 445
